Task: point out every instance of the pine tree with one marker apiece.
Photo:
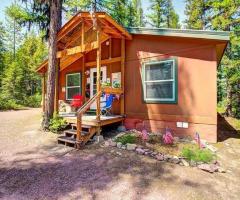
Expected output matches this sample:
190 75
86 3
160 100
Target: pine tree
135 14
163 14
74 6
197 12
226 17
48 15
118 9
2 50
20 79
172 18
14 16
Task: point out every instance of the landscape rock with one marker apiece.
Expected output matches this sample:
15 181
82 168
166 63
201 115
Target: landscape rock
208 167
140 151
112 143
167 157
200 163
193 163
154 153
221 170
160 157
211 148
119 153
98 138
185 163
215 162
119 145
124 147
176 139
131 147
174 160
106 143
147 153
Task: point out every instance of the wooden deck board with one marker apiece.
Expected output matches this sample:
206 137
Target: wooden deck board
92 121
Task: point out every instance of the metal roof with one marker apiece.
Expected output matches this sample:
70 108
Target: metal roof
188 33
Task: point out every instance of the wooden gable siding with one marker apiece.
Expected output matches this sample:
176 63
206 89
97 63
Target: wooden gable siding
91 57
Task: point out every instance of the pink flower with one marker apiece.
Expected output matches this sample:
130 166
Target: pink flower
167 137
144 135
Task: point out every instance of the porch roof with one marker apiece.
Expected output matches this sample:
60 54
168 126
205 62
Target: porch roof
78 34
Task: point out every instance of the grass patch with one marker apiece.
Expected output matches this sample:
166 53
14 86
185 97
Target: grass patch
127 139
196 154
235 123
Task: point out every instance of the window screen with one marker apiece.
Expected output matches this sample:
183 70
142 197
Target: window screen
73 85
159 81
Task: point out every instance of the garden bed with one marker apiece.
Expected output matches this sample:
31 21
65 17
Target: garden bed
182 151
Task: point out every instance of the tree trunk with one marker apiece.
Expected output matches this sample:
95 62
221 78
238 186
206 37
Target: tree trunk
228 111
52 61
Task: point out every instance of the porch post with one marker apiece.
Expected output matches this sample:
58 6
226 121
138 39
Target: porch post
43 91
122 109
98 72
83 64
56 87
83 79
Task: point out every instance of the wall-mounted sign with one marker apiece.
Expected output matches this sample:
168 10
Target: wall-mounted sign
116 79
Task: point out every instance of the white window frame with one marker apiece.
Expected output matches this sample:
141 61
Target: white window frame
67 87
163 100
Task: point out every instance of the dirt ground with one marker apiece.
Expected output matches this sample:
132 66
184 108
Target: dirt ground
33 166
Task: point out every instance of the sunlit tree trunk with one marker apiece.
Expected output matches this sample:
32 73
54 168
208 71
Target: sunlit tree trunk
55 24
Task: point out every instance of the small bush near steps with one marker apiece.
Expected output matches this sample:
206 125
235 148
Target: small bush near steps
128 138
57 124
199 155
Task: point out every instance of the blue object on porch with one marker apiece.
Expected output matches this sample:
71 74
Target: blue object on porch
107 108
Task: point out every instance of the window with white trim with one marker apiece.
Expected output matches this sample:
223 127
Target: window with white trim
160 81
73 85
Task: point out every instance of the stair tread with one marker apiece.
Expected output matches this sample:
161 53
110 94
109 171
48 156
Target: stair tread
74 132
67 139
83 126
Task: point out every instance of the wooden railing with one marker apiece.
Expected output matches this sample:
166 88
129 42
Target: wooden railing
87 105
81 111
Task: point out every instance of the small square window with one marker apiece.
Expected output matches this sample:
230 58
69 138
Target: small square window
160 81
73 85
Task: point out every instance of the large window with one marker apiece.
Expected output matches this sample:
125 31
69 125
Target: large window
73 85
160 81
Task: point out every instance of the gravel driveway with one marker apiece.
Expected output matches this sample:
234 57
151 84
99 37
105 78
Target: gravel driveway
33 166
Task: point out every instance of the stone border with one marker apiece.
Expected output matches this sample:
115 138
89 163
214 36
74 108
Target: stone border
211 168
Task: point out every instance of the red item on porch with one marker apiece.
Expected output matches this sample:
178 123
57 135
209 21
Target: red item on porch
77 101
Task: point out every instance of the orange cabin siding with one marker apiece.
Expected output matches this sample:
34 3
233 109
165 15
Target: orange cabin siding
197 90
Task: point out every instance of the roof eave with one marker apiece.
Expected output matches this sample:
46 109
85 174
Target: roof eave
201 34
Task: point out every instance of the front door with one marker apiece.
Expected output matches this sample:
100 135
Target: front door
93 84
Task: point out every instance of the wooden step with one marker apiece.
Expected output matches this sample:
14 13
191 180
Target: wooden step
74 132
83 126
66 140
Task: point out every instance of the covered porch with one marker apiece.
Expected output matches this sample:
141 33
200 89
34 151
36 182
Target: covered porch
91 57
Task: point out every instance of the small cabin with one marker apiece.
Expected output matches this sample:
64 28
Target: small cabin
158 77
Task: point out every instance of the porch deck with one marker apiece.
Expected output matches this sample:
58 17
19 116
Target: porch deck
91 120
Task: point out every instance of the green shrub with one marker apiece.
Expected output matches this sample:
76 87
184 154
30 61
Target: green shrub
221 106
196 154
57 124
127 139
6 104
33 101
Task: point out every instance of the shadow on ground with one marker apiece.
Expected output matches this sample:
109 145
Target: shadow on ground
82 174
225 130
